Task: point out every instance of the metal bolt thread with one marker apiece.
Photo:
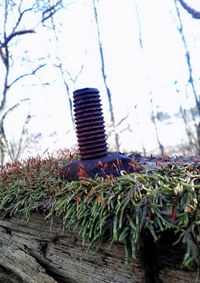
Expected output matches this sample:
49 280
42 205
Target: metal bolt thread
89 123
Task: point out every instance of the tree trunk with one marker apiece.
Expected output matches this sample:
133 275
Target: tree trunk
35 253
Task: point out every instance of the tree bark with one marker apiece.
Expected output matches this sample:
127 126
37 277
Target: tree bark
35 253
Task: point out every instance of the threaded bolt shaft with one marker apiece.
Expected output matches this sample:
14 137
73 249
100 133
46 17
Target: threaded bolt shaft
89 123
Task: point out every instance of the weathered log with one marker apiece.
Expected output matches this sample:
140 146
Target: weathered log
35 253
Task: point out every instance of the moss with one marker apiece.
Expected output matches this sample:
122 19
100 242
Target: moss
110 209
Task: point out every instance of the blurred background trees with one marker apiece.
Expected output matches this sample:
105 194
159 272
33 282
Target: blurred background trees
143 57
19 19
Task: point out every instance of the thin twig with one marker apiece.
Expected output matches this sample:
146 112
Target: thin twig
28 74
23 132
62 72
139 25
103 65
13 107
153 118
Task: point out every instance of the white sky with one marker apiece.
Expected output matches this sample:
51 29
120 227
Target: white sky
131 73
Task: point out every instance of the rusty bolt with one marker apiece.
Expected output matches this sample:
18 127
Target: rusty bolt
89 124
95 160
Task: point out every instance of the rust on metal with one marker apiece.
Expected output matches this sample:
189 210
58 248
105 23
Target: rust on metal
90 129
89 124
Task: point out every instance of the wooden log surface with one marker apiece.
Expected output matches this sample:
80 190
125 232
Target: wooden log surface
35 253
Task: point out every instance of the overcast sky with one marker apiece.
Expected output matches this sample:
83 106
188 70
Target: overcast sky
132 72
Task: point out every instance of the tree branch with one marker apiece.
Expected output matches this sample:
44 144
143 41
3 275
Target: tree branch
76 76
61 69
11 109
16 33
104 76
21 14
122 120
195 14
188 57
4 145
139 25
28 74
153 119
48 13
23 132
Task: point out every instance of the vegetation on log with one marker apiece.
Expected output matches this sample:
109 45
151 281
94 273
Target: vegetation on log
157 199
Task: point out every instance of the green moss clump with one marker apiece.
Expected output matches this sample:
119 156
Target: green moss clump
109 209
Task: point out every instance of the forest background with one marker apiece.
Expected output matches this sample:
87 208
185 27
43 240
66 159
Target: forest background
142 55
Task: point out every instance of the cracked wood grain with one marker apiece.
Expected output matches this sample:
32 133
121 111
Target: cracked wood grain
36 254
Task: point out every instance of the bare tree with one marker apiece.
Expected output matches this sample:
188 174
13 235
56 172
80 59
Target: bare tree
191 80
140 128
187 115
153 113
14 15
66 76
154 121
104 76
120 127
